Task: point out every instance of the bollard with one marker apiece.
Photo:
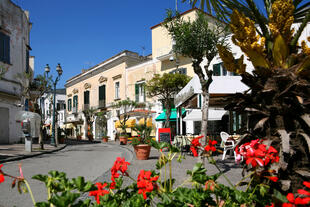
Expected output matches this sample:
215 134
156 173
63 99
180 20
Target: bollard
28 144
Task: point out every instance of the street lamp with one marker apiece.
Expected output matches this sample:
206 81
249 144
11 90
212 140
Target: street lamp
59 71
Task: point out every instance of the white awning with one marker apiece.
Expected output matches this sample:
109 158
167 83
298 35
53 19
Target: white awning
214 114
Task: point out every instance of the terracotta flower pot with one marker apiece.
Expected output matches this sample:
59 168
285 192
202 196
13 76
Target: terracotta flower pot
142 151
61 140
123 140
105 139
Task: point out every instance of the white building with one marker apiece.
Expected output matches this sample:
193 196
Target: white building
14 59
46 103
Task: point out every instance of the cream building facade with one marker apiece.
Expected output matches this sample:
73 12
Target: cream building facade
123 76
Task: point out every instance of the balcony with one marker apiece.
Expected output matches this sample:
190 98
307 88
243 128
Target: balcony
74 110
85 107
101 104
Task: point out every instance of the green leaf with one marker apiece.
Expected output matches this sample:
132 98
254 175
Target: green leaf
263 189
278 196
155 144
65 199
42 178
42 204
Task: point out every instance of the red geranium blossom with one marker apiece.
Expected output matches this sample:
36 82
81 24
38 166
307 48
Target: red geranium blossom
99 192
304 200
1 174
272 178
210 146
119 165
146 183
194 145
256 153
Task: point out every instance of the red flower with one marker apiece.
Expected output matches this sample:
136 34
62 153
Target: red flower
99 192
1 174
272 178
272 205
119 165
194 151
146 183
307 184
210 185
210 146
194 145
292 201
256 153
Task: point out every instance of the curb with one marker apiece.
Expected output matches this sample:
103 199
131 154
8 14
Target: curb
21 157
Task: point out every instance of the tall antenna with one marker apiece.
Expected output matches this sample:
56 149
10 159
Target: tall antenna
143 49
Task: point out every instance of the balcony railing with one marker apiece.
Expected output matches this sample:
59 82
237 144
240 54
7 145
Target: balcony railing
101 104
85 107
74 109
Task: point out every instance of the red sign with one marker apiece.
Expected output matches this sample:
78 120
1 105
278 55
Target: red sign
164 135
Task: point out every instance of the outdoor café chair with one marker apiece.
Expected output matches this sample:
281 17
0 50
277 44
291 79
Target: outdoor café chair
227 143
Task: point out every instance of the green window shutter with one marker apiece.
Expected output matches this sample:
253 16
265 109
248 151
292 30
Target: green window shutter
69 104
75 101
217 69
102 92
86 97
137 92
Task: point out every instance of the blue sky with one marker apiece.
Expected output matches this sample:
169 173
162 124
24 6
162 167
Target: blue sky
79 34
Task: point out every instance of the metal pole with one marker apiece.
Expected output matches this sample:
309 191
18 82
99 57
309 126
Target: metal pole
54 106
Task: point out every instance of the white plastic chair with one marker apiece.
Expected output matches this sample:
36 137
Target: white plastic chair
227 144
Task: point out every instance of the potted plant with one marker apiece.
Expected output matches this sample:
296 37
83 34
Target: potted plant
105 138
142 143
123 137
125 106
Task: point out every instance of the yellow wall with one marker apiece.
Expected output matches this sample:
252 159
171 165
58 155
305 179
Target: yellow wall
94 89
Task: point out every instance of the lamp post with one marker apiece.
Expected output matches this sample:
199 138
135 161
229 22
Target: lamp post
59 71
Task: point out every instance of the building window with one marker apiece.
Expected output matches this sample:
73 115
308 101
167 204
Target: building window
179 70
220 70
27 61
140 92
4 48
86 97
69 104
75 101
117 95
102 92
102 96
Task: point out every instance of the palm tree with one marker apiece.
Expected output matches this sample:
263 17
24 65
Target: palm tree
224 8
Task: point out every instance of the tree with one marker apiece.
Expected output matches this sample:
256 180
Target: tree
197 39
34 89
224 8
279 89
90 118
124 107
165 87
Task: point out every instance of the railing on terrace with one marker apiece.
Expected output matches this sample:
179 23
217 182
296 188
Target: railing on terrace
101 104
85 107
